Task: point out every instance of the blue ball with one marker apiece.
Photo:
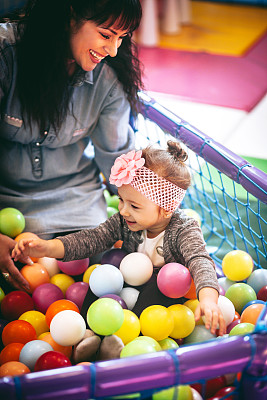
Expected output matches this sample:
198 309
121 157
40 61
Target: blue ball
106 279
32 350
257 279
252 302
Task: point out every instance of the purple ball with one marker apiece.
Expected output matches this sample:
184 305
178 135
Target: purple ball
77 292
46 294
113 257
232 325
117 298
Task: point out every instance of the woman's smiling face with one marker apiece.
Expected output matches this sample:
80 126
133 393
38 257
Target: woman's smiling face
91 43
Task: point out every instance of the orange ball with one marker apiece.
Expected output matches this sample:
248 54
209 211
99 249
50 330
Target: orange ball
27 235
11 352
251 313
18 331
57 306
13 368
66 350
118 244
191 294
35 275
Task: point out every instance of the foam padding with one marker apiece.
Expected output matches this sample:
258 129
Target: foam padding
227 29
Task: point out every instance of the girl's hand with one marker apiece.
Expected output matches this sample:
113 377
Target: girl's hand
27 248
209 308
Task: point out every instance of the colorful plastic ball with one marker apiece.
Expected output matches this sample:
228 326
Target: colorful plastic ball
12 221
63 281
67 350
225 283
113 201
50 264
192 214
77 292
31 351
37 320
118 244
232 325
111 211
252 313
18 332
242 329
193 304
87 273
237 265
35 275
3 323
168 343
157 322
130 296
130 328
149 339
75 328
262 294
174 280
257 279
252 302
240 294
211 386
16 303
51 360
2 295
58 306
136 269
195 394
106 279
46 294
199 334
75 267
113 257
227 308
136 347
13 368
117 298
181 392
105 316
10 352
191 294
184 321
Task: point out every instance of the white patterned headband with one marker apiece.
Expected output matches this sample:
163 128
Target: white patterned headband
129 169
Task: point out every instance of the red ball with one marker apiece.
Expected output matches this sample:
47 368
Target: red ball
75 267
262 294
211 387
51 360
15 303
46 294
174 280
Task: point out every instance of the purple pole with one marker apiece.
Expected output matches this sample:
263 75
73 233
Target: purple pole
150 371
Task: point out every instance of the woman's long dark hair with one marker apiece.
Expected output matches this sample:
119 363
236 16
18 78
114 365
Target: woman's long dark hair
43 51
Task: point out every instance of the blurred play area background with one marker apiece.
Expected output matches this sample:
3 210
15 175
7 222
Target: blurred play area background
207 62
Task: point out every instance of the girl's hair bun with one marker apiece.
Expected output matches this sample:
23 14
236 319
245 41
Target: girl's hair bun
175 149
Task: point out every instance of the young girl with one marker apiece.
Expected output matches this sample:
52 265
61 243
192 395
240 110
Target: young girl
151 185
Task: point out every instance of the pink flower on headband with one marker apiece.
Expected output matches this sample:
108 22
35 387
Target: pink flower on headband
124 168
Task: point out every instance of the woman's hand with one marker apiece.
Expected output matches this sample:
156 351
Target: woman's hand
209 308
37 248
7 267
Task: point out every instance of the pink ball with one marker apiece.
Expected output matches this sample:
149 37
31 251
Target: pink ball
76 267
77 292
174 280
44 295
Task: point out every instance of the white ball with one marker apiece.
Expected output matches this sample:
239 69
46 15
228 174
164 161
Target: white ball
196 395
136 268
129 295
50 265
67 328
227 308
106 279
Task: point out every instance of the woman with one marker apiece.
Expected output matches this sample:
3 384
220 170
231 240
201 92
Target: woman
68 79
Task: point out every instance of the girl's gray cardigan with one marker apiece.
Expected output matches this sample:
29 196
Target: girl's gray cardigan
183 243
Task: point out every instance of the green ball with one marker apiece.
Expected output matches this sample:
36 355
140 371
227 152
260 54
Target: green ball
113 201
105 316
199 334
149 339
136 347
2 294
12 222
240 294
111 211
181 392
242 329
168 343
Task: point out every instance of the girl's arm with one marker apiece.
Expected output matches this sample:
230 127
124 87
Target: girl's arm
38 248
208 307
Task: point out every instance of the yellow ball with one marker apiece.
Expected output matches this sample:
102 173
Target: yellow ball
63 281
192 304
87 273
237 265
37 320
193 214
130 328
157 322
184 321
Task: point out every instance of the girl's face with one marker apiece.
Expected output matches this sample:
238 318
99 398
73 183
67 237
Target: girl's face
91 43
140 213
